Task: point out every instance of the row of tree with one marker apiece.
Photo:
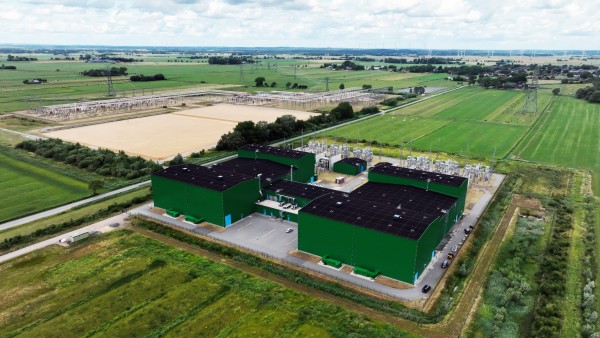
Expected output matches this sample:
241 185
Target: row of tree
102 161
230 60
144 78
114 71
590 94
8 67
285 126
19 58
346 65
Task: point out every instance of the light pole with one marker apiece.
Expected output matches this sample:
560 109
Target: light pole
259 185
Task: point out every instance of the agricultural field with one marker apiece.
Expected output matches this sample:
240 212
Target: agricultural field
66 84
182 132
568 135
124 284
470 121
25 188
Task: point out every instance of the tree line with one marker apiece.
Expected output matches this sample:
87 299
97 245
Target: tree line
102 161
114 71
248 132
8 67
590 93
19 58
144 78
230 60
346 65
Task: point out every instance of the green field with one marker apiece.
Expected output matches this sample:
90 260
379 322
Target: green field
65 84
25 188
127 285
567 135
470 121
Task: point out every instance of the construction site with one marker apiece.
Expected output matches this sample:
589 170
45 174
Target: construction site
379 225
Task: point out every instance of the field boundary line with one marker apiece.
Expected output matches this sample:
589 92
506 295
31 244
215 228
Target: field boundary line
544 115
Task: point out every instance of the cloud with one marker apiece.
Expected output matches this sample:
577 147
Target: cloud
482 24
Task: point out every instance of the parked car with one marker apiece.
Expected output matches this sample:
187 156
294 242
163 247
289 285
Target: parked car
467 230
289 230
445 264
450 255
426 288
454 248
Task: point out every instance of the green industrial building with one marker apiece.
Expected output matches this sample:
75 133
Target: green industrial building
378 228
390 225
454 186
302 162
350 166
222 194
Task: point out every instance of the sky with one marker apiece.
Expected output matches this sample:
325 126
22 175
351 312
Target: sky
429 24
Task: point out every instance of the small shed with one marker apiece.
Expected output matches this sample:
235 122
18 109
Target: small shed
350 166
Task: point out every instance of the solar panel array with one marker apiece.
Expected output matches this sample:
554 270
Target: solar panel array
275 151
389 169
298 190
225 175
395 209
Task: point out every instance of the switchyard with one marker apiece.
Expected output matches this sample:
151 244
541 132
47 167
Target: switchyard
390 224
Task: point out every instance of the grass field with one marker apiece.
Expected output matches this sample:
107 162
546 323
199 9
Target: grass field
568 135
65 84
78 212
471 121
127 285
25 188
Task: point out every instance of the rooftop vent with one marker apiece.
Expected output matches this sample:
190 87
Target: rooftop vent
397 217
220 177
338 204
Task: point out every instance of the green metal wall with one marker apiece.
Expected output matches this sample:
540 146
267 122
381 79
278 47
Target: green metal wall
305 165
188 199
458 192
239 200
345 168
393 256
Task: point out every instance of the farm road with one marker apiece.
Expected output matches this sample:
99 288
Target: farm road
101 226
67 207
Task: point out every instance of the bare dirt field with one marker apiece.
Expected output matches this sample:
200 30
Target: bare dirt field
163 136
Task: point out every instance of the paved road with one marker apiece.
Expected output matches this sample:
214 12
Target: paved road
66 207
101 226
28 136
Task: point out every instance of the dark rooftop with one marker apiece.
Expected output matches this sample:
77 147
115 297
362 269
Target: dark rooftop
375 215
389 169
405 197
251 167
225 175
275 151
355 161
300 190
214 179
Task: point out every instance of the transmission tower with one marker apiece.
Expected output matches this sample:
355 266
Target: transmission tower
242 73
111 89
531 101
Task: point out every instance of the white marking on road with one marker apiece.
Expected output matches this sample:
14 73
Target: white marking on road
267 234
292 241
244 226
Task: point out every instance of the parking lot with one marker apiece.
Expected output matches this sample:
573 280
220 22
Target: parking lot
262 233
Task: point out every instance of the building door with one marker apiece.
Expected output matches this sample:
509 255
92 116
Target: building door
228 220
